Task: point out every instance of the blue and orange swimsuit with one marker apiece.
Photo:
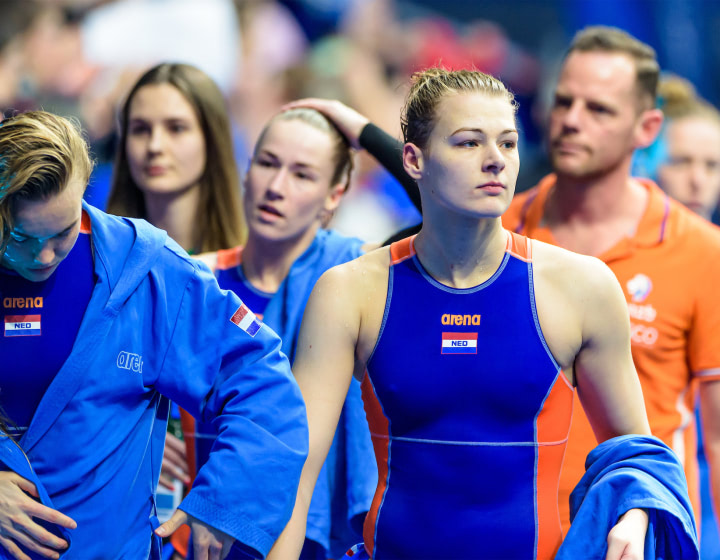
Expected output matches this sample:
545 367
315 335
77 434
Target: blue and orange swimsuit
40 323
469 414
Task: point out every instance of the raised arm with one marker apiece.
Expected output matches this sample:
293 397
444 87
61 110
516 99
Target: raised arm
323 368
362 134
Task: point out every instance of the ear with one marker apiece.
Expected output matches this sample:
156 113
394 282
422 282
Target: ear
413 161
332 200
648 127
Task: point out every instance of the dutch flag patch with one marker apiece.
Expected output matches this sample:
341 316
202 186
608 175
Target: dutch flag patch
459 343
22 325
246 320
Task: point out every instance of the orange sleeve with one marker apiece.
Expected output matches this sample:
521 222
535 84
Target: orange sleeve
511 217
704 335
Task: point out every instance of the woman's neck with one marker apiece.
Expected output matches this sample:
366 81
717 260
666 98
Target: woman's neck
176 213
266 263
461 253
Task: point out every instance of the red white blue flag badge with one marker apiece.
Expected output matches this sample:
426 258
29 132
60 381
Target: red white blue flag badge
459 343
246 320
22 325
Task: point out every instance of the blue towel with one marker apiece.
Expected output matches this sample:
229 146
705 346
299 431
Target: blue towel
631 472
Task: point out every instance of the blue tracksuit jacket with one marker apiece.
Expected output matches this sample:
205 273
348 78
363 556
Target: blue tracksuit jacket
346 485
158 327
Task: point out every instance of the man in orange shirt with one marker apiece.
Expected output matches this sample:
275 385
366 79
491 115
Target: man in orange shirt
665 257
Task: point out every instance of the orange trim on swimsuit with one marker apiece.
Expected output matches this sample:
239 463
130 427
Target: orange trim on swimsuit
229 258
85 223
402 250
519 246
552 433
380 431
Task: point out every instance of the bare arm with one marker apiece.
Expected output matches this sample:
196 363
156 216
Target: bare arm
584 316
609 389
323 369
607 383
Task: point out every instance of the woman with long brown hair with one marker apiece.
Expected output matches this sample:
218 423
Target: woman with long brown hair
175 165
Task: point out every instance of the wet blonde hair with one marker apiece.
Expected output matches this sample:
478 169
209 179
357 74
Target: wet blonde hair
39 154
428 88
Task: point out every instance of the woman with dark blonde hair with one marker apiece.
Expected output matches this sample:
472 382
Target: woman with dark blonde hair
468 341
299 172
105 321
175 165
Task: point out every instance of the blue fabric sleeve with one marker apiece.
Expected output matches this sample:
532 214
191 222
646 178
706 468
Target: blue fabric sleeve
629 472
244 387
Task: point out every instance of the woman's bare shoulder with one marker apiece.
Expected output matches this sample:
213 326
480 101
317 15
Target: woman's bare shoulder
361 274
571 272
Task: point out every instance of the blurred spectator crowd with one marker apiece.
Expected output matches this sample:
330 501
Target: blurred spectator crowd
79 57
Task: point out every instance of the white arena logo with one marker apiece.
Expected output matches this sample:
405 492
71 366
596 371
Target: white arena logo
128 360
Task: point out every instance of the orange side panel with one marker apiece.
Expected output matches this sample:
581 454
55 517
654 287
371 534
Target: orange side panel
553 425
380 431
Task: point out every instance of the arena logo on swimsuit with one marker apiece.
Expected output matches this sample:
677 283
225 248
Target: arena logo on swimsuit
460 320
22 302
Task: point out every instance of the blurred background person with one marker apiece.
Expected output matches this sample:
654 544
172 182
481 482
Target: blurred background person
175 165
176 168
685 159
605 108
299 172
